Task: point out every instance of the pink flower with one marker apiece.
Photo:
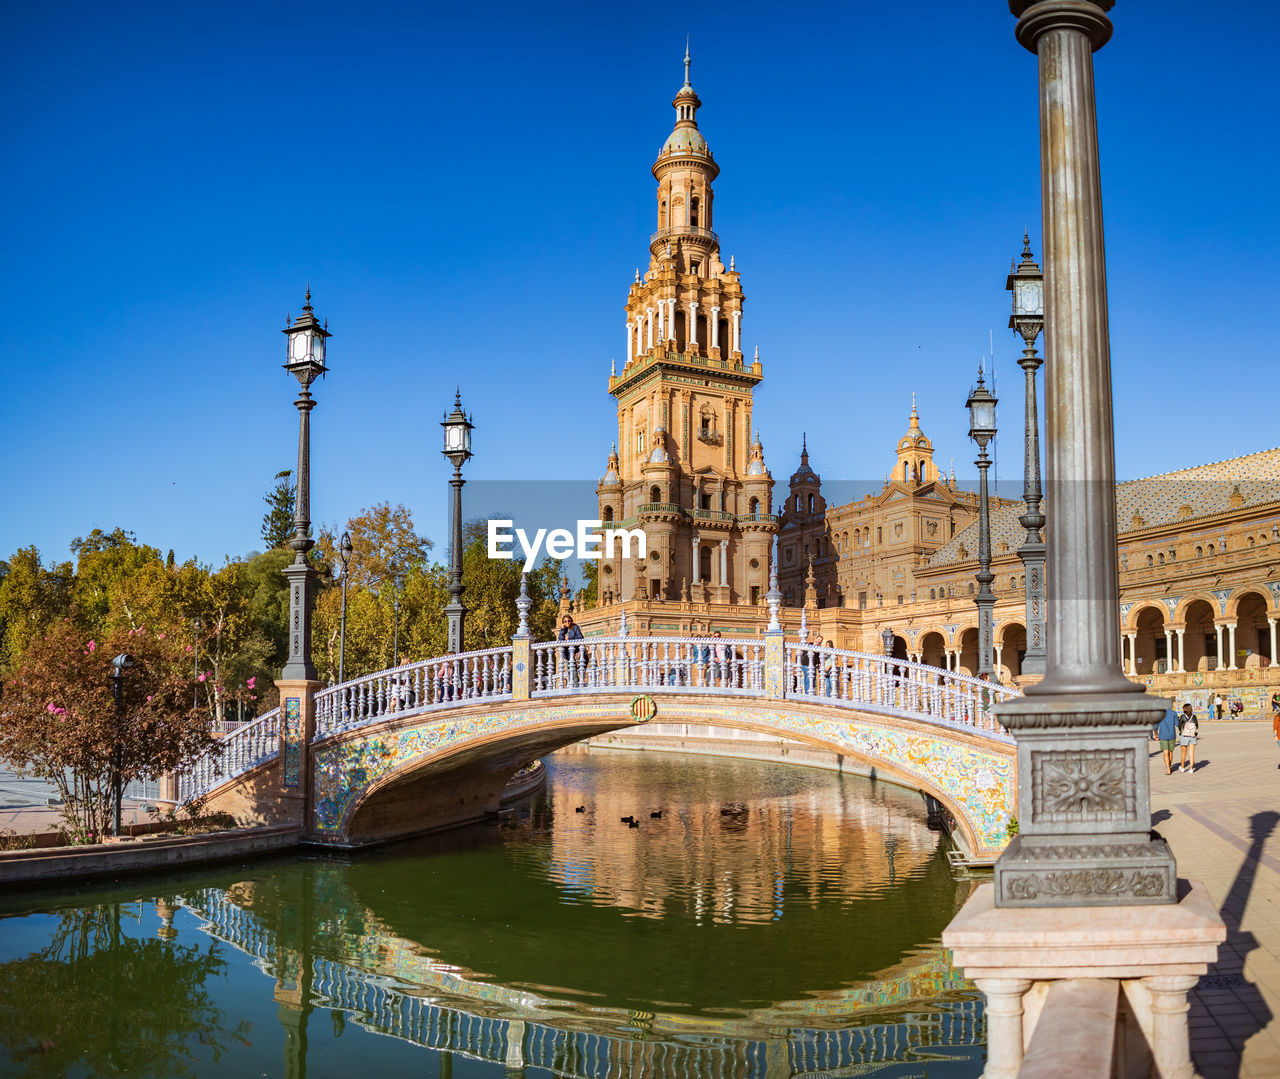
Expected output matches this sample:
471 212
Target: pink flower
93 647
251 683
188 648
148 698
160 636
253 696
202 677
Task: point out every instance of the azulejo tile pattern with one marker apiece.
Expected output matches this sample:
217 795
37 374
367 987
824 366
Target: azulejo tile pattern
292 741
978 780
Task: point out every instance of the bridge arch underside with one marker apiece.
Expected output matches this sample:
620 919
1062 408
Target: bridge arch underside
419 773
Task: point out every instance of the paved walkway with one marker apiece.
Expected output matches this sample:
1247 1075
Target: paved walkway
1222 823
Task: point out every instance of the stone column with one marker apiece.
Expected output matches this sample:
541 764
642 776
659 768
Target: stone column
724 563
1004 1025
737 332
662 306
1271 625
999 652
1218 630
648 321
1084 806
1182 652
671 318
1133 653
1168 649
1170 1038
715 327
1231 647
631 343
693 325
696 574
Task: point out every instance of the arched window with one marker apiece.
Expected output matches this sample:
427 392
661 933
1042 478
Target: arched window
906 474
797 503
608 514
655 494
1211 550
1160 558
811 503
693 210
1150 561
662 215
753 507
806 550
1251 541
933 593
1199 552
971 588
723 341
920 472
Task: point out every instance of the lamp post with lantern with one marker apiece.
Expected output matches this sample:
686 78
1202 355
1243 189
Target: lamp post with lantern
457 448
344 554
304 359
1026 282
982 429
886 640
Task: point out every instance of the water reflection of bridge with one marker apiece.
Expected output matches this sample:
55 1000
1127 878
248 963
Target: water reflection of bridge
898 1018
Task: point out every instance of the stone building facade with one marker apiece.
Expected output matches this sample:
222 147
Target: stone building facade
1199 548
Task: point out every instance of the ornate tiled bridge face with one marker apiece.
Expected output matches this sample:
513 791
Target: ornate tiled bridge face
976 780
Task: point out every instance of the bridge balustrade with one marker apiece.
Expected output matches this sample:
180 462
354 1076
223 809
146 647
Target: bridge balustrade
242 749
860 679
415 687
683 664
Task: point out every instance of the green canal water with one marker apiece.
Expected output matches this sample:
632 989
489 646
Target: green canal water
774 922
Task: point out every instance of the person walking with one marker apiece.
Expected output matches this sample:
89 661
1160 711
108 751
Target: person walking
1188 736
1167 733
1275 718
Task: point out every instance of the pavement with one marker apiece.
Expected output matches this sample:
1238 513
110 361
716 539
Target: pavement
1223 825
25 808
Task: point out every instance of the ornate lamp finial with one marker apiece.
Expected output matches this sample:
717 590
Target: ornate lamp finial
774 596
523 603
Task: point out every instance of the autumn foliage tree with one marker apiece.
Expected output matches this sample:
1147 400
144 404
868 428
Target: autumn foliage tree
59 720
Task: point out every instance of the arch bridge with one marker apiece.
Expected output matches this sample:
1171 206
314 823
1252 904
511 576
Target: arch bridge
432 744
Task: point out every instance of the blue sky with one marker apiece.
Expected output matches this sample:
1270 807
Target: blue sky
467 191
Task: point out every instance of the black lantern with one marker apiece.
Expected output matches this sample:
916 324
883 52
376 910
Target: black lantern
304 351
457 433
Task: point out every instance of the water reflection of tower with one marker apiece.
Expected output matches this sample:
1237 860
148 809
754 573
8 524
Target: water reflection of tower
166 909
728 861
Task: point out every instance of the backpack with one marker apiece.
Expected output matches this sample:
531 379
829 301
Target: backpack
1191 729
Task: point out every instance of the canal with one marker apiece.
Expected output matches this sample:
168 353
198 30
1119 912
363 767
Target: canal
758 921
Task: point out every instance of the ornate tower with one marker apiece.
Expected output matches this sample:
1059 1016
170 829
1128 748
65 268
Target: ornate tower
686 469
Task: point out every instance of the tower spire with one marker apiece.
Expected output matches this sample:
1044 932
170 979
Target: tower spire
687 84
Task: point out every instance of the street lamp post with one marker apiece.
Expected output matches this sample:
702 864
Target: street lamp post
304 359
344 554
119 665
457 448
1026 282
886 640
982 429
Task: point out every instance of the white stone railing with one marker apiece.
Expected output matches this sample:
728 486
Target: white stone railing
242 749
653 664
896 686
415 687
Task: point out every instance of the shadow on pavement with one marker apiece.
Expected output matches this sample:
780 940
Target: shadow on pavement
1219 1025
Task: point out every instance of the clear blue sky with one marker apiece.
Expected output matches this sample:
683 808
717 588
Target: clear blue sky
467 190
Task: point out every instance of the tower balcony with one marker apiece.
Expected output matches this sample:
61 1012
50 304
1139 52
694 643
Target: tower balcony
699 237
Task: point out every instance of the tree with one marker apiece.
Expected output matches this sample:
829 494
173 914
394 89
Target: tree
161 1013
383 542
60 721
31 599
281 500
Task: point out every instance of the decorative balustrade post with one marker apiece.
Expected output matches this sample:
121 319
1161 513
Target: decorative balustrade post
775 651
522 645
